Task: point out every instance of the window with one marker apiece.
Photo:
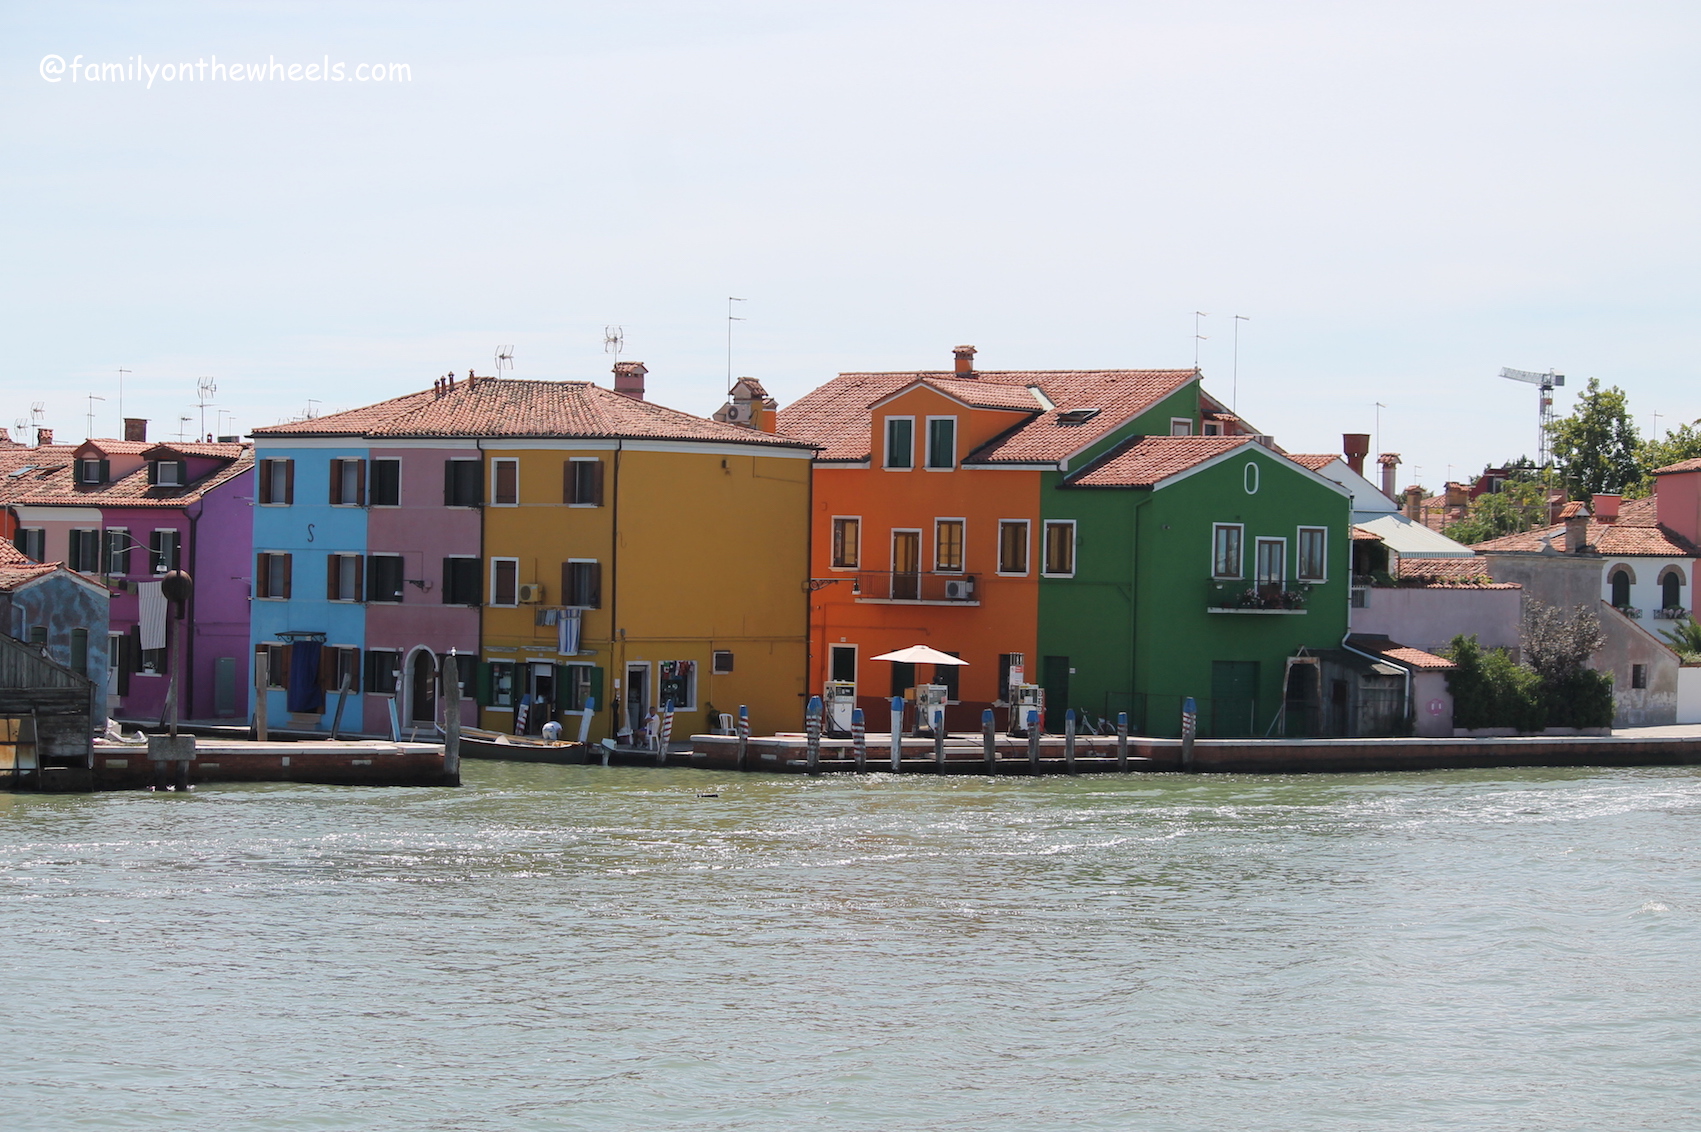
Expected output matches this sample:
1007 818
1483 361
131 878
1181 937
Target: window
277 482
337 663
947 546
501 684
842 663
579 687
386 489
38 634
900 442
941 443
1213 428
847 543
84 551
32 542
382 668
581 583
80 651
92 471
272 576
277 664
463 483
1013 546
1272 561
1671 590
344 577
722 662
1227 555
1638 675
505 482
949 675
504 581
1313 562
167 473
460 581
583 481
1059 548
676 684
164 551
1181 426
384 577
348 483
1620 586
117 551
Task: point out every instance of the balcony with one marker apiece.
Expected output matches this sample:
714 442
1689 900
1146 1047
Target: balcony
885 587
1241 596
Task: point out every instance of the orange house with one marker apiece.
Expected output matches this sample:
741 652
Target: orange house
928 524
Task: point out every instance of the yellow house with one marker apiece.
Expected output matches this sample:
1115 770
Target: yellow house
632 555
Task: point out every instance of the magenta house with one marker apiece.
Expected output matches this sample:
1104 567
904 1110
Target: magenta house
129 511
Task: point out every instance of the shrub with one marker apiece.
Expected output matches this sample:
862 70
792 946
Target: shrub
1582 699
1490 690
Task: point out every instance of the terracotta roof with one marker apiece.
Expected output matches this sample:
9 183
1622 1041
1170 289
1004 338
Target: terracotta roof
59 487
985 394
13 576
835 416
510 407
1432 571
1573 509
191 448
12 556
1316 461
1359 534
111 447
1681 466
1636 532
1148 460
1639 512
1400 654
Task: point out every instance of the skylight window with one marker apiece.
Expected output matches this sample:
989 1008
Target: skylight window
1076 416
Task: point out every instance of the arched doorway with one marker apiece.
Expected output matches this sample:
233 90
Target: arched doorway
1621 587
422 687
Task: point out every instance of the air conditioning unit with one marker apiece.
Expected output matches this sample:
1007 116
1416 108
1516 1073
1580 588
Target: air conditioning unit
734 412
531 593
959 589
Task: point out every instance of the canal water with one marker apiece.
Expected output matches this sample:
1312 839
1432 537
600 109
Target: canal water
591 948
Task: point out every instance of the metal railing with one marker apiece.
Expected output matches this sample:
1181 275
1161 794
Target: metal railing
898 586
1265 597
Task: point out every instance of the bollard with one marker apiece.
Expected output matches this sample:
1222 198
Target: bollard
1189 728
812 726
897 733
938 722
1033 741
262 681
859 739
1069 740
743 736
666 733
451 718
989 739
1122 741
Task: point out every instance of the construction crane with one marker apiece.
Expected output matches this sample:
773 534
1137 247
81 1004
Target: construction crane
1547 382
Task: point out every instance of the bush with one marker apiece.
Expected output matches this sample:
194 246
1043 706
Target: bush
1490 690
1582 699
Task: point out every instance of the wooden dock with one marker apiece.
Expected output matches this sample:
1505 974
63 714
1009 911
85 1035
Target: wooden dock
129 766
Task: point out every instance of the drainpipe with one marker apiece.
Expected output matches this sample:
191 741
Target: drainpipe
616 656
1381 660
194 572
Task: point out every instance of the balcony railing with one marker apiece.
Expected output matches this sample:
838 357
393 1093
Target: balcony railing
1239 595
889 586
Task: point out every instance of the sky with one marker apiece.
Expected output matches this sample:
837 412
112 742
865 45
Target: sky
1398 200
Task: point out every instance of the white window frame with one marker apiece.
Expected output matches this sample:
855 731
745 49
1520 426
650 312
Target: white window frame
514 692
273 556
366 581
1027 549
491 593
1269 540
927 446
1211 428
696 678
856 660
832 537
359 573
35 538
1299 555
85 468
496 460
1240 565
584 460
177 551
962 546
182 467
1186 424
886 445
372 476
565 596
1045 544
106 551
893 550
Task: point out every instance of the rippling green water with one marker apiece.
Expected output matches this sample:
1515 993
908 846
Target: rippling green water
582 947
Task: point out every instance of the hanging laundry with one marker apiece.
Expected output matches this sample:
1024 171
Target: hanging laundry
306 694
153 606
567 632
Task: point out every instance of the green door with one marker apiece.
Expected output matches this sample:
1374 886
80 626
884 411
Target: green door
1054 678
1234 698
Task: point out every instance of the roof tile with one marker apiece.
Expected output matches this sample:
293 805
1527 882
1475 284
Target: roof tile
1151 459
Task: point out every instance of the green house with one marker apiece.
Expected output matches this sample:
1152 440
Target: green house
1210 567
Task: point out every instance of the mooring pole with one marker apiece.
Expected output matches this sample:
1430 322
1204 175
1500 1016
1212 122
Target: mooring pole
666 733
1069 740
859 739
1033 741
1122 741
812 727
989 739
337 717
939 739
897 733
451 719
262 681
743 736
1189 728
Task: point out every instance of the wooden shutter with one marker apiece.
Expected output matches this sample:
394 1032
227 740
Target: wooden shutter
360 482
567 594
262 575
482 682
328 668
353 670
133 649
333 570
359 578
593 584
448 483
567 482
596 687
336 481
596 483
105 471
289 481
122 661
265 492
288 564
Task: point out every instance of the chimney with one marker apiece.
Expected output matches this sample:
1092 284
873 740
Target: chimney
1457 496
1355 446
136 428
965 359
1575 516
629 379
1414 497
1390 462
1606 507
43 437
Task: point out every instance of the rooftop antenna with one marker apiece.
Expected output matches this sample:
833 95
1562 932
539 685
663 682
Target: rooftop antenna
218 422
89 435
181 421
504 359
613 341
204 389
1234 394
121 374
1379 407
38 413
1655 435
1546 382
1198 337
730 319
311 411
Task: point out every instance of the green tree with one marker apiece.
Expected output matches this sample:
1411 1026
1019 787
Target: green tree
1679 444
1685 638
1597 446
1519 505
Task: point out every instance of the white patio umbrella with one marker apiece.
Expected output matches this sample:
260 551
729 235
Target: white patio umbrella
920 654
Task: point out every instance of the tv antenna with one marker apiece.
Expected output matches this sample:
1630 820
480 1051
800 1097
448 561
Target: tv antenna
205 387
1546 382
121 374
38 413
1198 337
1234 394
89 435
613 341
181 421
504 359
311 411
730 319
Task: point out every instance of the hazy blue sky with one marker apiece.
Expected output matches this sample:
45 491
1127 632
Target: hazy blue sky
1401 199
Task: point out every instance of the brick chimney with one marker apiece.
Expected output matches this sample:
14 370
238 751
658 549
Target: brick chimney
1575 516
43 437
965 360
629 379
1355 446
1390 462
1677 498
1414 498
136 429
1606 508
1457 494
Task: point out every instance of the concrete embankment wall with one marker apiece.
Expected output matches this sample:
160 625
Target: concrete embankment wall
124 767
